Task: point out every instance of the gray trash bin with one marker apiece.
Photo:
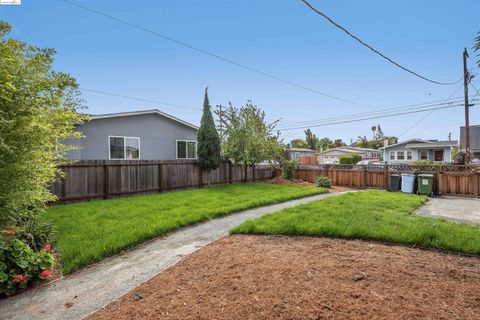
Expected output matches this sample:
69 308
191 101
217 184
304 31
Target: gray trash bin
408 182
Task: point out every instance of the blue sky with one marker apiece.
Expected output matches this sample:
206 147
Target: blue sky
281 37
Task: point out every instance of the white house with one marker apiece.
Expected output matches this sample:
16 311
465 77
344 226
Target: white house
332 156
418 149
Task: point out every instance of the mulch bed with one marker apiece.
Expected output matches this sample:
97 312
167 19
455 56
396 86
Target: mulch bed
270 277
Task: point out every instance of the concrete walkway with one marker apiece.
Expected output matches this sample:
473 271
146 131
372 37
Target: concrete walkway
462 210
80 294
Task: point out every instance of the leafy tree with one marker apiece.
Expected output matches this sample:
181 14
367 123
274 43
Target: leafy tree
338 143
249 139
38 109
208 140
298 143
311 139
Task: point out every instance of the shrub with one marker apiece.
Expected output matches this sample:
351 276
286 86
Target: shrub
288 169
20 265
422 162
323 182
352 159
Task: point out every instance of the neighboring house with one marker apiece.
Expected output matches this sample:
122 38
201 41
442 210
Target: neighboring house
332 156
296 153
418 149
474 140
137 135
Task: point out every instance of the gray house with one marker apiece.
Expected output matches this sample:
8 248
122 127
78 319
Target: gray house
418 149
138 135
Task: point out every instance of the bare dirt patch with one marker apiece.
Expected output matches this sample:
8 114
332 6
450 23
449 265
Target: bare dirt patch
271 277
280 180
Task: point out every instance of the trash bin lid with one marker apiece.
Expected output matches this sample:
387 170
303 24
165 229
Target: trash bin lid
407 175
394 175
426 175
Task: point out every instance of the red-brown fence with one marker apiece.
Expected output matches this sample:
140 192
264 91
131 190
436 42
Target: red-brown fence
448 179
104 179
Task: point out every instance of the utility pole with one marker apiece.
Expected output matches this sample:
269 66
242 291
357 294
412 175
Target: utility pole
466 79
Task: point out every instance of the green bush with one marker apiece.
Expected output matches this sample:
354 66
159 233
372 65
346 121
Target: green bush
422 162
288 169
353 159
20 265
323 182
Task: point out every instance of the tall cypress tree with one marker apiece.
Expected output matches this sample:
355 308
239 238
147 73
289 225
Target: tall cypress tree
208 140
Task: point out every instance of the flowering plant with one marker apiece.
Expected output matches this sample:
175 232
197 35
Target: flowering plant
20 266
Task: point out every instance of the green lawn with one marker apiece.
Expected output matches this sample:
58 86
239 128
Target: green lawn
372 215
90 231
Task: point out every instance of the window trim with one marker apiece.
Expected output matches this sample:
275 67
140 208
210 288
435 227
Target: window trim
394 155
411 155
186 150
421 151
124 148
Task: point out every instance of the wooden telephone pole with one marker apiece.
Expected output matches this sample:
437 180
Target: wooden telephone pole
466 79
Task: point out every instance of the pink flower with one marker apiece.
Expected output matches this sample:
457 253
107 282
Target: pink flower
20 278
11 232
45 274
46 248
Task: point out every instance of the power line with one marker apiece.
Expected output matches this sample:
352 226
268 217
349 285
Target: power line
374 117
375 50
137 99
375 113
211 54
428 114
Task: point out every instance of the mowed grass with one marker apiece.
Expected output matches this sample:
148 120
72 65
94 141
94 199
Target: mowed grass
371 215
90 231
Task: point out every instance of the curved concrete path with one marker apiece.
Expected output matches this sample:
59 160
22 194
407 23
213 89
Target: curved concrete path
82 293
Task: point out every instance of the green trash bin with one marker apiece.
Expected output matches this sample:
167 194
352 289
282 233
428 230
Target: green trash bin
425 184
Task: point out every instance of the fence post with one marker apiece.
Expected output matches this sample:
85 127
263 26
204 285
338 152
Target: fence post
439 184
160 177
364 177
229 172
106 182
385 177
253 173
475 182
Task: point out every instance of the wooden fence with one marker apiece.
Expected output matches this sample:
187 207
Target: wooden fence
104 179
448 179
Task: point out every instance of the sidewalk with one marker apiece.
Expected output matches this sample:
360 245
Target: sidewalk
79 294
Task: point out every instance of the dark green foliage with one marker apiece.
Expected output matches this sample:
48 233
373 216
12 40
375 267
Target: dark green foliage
20 266
323 182
208 140
288 169
352 159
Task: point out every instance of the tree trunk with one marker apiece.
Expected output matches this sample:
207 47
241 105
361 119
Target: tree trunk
245 178
253 173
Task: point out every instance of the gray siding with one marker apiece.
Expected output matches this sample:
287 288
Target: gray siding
157 135
474 138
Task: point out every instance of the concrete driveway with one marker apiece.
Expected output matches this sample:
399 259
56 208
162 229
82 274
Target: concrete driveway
462 210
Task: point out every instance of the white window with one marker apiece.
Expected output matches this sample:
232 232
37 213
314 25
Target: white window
392 155
400 155
424 155
186 149
409 155
121 148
